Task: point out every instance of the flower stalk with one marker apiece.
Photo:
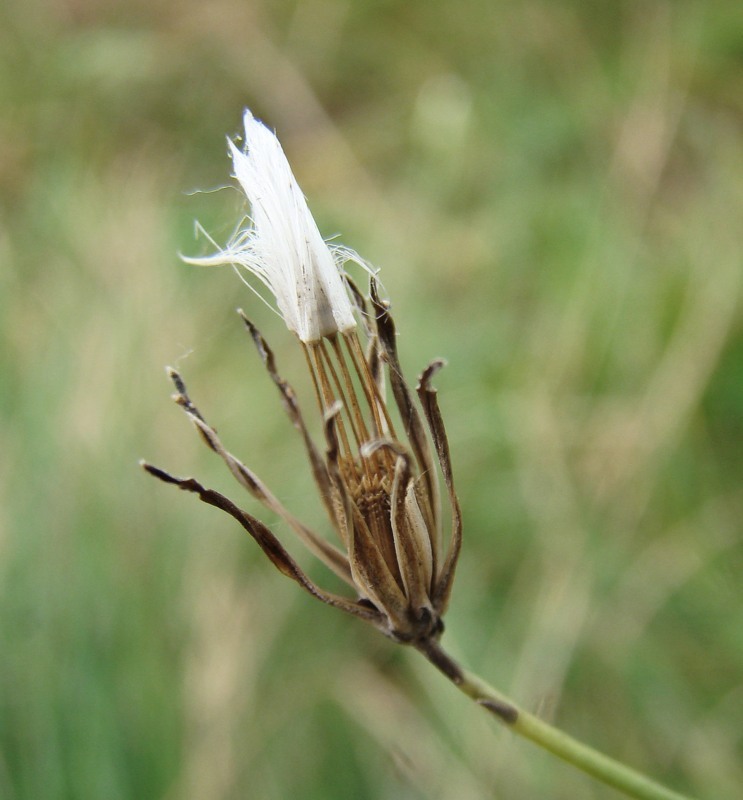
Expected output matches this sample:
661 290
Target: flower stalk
379 470
600 766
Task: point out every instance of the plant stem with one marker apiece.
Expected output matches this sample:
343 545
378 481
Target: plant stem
585 758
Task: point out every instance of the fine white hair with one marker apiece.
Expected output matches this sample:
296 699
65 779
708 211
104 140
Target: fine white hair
280 244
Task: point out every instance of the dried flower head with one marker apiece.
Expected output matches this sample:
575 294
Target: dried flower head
377 476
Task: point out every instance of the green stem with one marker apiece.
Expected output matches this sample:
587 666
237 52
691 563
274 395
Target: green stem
600 766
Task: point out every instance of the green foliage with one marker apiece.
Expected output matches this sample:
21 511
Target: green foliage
553 192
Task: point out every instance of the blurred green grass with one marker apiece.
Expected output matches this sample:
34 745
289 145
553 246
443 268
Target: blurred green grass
554 195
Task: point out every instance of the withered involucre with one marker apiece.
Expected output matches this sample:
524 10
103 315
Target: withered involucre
379 485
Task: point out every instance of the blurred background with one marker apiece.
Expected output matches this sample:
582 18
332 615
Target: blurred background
553 192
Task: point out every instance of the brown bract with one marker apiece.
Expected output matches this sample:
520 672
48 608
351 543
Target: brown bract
379 485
